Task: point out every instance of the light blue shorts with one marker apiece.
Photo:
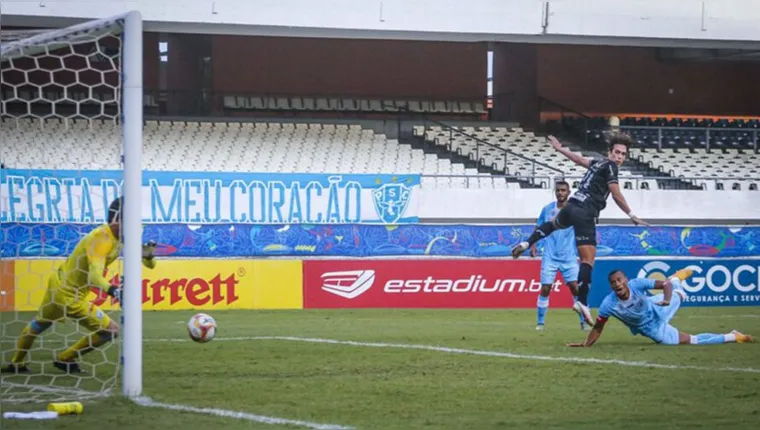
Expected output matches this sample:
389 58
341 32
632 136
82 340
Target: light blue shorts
665 333
549 268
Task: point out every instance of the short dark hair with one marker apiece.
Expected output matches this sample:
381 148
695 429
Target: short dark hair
115 210
619 138
609 276
561 182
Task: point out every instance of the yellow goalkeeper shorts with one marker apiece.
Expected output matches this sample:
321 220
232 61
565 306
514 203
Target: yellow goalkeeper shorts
58 305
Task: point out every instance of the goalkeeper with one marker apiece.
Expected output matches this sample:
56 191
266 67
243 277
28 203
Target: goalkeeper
67 294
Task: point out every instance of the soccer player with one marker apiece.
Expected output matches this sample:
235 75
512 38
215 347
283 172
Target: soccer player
67 292
559 255
583 208
650 316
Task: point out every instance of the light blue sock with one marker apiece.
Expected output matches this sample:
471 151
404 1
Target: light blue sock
541 307
712 338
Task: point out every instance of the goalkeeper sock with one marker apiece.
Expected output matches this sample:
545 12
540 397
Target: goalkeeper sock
26 340
541 307
85 345
711 338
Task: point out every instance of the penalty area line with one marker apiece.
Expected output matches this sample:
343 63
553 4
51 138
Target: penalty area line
510 355
148 402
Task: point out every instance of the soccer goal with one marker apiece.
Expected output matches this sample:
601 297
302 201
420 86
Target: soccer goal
70 140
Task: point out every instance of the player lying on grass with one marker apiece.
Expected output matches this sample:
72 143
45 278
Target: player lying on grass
650 316
67 295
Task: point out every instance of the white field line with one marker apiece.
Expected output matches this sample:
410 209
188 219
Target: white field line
79 394
509 355
720 316
147 402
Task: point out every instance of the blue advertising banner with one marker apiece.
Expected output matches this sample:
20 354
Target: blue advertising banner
715 282
61 196
245 240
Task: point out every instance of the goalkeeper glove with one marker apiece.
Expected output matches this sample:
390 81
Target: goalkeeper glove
115 292
148 249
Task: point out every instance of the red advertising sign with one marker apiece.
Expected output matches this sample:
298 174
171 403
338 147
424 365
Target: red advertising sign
427 284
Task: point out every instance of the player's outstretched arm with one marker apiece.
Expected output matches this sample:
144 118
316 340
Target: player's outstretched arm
619 199
148 259
667 291
593 335
575 158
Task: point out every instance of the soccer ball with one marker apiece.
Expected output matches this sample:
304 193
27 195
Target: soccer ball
201 328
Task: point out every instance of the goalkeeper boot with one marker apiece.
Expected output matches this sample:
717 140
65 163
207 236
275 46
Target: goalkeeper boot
15 369
71 367
741 337
682 274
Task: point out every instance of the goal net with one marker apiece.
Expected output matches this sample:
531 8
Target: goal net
71 133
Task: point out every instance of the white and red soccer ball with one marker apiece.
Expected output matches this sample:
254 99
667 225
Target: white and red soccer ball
201 328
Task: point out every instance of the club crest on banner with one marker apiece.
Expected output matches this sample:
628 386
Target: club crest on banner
391 201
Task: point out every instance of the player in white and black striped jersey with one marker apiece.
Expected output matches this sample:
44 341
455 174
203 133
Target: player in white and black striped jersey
582 210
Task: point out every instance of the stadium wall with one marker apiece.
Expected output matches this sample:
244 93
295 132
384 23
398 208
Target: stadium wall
380 283
622 79
285 198
610 79
349 67
276 265
150 60
707 24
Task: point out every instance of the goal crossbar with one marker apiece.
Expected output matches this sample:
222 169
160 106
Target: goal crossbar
47 41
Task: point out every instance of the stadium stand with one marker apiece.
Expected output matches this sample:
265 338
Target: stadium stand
233 147
713 153
233 104
515 152
341 104
459 157
727 170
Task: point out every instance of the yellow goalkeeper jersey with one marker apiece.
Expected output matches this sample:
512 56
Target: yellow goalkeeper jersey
85 267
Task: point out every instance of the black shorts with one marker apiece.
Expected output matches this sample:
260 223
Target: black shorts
582 219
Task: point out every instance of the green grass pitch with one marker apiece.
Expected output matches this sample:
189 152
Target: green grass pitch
380 387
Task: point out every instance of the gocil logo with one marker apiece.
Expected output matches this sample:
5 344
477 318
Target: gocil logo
657 270
716 277
348 284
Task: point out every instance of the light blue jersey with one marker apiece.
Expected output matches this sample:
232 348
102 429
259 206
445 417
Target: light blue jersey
638 313
560 245
559 254
643 315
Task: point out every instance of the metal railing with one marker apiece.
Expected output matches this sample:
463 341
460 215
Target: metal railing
482 145
709 133
626 182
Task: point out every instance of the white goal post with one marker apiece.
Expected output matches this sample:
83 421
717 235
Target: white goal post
127 28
